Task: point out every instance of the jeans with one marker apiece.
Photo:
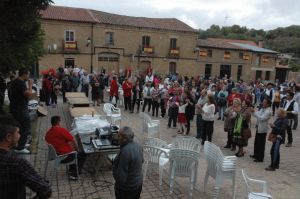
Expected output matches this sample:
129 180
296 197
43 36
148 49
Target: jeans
275 153
155 107
289 131
149 102
162 107
85 89
221 112
72 168
173 113
208 129
22 116
127 103
199 123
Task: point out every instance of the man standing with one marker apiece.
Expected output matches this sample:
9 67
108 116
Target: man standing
291 108
63 142
127 167
263 116
15 172
127 89
85 81
19 95
201 101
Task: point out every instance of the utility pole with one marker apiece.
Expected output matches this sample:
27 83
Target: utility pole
225 19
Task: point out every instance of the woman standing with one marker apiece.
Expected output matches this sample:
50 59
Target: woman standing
155 93
95 90
114 91
241 124
137 91
278 131
208 113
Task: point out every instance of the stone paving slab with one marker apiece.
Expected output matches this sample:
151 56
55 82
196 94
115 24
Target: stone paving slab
283 183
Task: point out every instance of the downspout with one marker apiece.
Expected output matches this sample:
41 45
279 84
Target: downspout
92 45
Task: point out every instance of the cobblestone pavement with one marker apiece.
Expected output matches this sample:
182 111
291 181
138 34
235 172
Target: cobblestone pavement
282 184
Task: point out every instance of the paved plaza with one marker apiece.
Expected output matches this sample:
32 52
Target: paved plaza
282 184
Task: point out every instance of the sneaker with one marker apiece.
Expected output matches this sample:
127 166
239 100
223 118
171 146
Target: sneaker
288 145
270 169
71 177
23 151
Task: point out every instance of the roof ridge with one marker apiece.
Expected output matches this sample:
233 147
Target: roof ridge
92 15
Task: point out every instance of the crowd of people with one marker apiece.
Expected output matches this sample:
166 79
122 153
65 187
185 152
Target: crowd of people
182 99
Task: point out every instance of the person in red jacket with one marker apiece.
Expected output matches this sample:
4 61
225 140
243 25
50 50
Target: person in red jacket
47 88
127 90
114 90
232 96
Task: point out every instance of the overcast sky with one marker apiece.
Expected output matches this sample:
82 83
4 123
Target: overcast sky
258 14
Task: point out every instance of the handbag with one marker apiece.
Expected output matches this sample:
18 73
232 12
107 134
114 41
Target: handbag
114 100
272 137
246 133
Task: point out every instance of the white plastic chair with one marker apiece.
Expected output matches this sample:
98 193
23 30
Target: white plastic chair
256 195
113 113
149 126
219 167
187 143
183 163
52 156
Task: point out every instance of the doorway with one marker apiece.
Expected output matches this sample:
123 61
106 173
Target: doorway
172 67
225 70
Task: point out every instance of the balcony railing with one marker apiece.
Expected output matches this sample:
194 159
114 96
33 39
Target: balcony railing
174 52
70 46
148 49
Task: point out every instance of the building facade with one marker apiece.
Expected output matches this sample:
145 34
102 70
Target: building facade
99 41
238 59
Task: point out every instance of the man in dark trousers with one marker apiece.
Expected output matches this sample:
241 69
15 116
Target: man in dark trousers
291 108
17 173
127 167
18 95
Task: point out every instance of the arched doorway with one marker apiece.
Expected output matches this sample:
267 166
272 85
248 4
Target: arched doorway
108 61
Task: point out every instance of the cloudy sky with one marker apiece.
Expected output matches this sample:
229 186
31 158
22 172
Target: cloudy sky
258 14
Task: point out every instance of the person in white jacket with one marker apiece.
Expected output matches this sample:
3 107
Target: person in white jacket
263 116
208 116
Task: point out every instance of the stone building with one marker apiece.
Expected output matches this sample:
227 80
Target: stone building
97 40
239 59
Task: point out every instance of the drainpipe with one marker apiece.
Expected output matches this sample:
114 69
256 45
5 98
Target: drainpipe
92 45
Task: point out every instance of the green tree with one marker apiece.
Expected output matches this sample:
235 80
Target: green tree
21 37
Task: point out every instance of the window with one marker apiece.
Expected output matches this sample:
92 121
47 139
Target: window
145 41
267 77
246 57
209 53
265 59
258 60
241 55
69 35
258 74
109 38
239 72
173 43
226 55
207 70
203 53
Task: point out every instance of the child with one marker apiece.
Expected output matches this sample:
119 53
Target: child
181 117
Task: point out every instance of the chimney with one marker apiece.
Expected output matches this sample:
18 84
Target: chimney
261 43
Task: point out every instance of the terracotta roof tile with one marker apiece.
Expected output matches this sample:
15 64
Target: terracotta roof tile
67 14
88 15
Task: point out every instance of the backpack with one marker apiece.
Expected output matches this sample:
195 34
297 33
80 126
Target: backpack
277 97
222 101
